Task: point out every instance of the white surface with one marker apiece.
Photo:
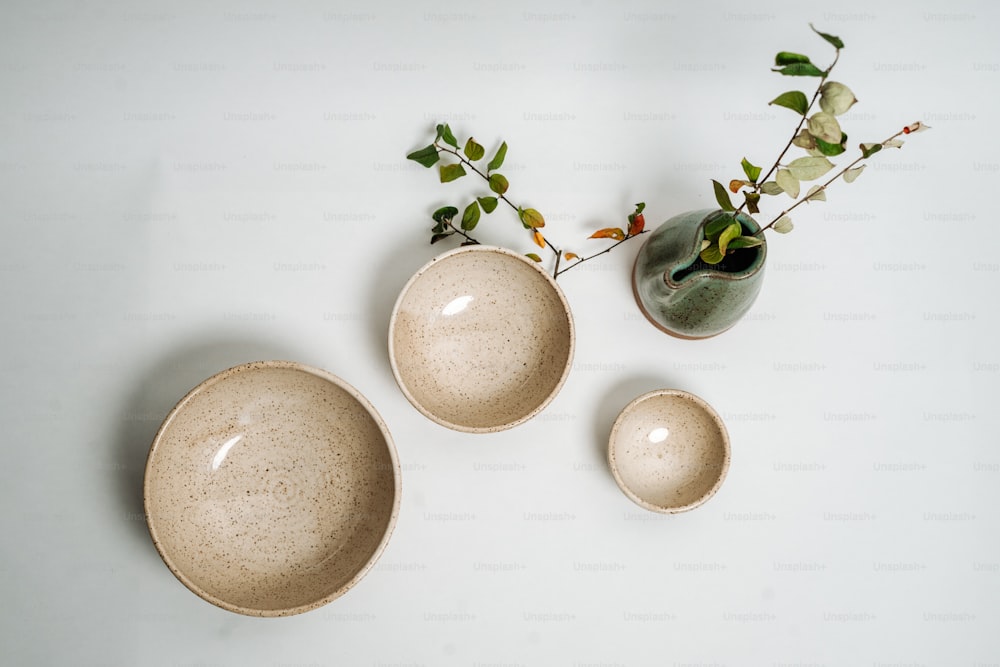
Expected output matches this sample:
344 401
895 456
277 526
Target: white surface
187 186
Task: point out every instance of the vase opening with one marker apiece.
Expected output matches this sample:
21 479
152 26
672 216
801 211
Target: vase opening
734 262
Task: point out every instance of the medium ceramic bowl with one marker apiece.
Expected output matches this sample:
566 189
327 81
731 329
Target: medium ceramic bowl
669 451
480 339
271 488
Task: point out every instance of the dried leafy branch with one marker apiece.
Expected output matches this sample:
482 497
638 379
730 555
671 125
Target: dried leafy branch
447 221
819 135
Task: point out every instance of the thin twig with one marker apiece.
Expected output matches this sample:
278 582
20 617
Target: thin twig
798 128
596 254
823 187
469 238
487 179
802 120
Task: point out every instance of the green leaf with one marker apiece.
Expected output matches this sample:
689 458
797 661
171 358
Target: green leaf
752 200
799 69
489 204
867 150
449 172
794 100
444 214
836 41
473 151
851 174
788 183
816 193
497 160
721 196
827 148
449 138
533 257
438 237
470 217
771 188
809 168
789 58
824 126
426 156
530 218
714 228
498 183
783 225
711 254
752 171
745 242
835 98
727 235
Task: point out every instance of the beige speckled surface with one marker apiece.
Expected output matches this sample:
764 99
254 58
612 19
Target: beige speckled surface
669 451
271 488
481 339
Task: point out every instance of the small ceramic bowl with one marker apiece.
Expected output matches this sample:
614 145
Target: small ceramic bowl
669 451
481 339
271 488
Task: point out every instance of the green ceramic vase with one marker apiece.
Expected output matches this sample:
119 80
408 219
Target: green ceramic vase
684 296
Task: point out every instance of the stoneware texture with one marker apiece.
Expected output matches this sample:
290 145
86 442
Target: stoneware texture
697 303
271 488
669 451
481 339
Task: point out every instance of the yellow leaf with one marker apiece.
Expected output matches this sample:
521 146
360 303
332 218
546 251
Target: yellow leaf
539 239
570 256
735 185
615 233
533 257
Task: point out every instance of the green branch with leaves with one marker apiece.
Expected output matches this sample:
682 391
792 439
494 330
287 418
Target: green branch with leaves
819 134
447 221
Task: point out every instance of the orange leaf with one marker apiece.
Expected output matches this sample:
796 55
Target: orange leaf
539 239
570 256
636 223
609 233
735 185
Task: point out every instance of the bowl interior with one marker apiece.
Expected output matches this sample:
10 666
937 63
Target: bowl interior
669 451
271 488
480 339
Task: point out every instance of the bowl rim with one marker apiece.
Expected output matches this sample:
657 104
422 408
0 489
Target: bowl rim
481 248
707 409
251 367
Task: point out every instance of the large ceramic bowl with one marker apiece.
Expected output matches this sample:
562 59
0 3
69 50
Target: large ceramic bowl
271 488
669 451
481 339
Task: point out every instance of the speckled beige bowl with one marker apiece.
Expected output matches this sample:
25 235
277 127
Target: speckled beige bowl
669 451
271 488
481 339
